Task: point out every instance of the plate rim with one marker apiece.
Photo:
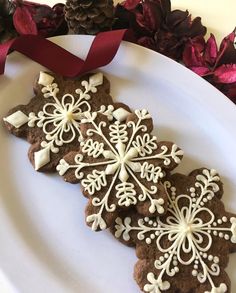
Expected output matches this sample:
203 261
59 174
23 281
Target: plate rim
223 101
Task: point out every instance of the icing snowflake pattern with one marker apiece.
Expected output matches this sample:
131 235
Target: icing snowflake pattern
59 119
189 235
124 154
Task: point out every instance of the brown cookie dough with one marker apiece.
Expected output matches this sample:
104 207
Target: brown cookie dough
119 165
186 250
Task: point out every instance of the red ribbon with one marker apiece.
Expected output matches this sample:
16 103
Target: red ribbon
102 51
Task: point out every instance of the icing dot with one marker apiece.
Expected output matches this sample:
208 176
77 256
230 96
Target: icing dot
154 224
146 219
193 194
210 257
194 200
195 267
157 233
209 231
161 258
140 237
152 236
166 255
215 233
150 222
209 197
173 198
175 263
202 204
173 188
204 255
205 200
148 241
194 273
221 235
216 259
219 221
201 253
226 237
196 261
214 224
176 269
192 189
224 219
174 257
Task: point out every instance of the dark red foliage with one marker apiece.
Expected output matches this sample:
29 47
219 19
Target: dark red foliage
34 18
157 27
218 66
23 22
7 30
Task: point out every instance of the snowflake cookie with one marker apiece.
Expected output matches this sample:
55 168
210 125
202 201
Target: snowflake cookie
186 250
120 165
51 120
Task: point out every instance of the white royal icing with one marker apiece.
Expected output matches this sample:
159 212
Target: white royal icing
121 114
41 158
45 79
124 155
59 119
155 284
233 229
221 289
17 119
188 234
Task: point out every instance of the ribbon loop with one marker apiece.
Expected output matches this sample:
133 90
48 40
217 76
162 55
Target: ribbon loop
102 51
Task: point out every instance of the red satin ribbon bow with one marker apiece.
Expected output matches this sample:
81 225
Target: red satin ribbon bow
102 51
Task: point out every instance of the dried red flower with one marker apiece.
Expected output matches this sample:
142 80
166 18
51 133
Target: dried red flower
157 27
131 4
218 66
34 18
24 22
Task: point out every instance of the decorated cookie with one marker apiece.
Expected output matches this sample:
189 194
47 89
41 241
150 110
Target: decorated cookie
51 120
187 249
119 166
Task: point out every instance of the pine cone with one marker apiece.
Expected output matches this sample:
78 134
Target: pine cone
89 16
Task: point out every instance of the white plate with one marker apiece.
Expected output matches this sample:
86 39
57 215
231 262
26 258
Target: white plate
45 245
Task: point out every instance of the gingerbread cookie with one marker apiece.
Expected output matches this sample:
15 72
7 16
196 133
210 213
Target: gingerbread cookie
119 166
51 120
187 249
